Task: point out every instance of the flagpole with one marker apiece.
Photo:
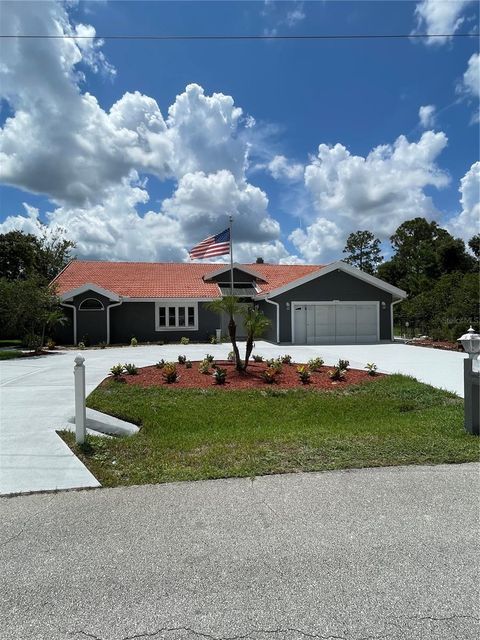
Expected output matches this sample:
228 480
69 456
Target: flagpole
231 257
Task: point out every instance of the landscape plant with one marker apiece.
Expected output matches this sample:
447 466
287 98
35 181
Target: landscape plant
230 306
286 359
304 374
269 375
256 323
371 368
131 369
133 342
160 364
117 371
170 373
315 364
204 366
257 358
274 363
337 373
343 364
182 359
220 375
188 364
81 346
209 357
184 340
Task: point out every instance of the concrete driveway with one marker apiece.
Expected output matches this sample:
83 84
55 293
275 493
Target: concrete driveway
36 398
374 553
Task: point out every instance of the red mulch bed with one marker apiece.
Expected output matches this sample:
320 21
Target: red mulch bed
445 345
288 379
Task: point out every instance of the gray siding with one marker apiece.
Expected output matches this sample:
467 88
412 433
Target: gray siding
337 285
238 276
63 334
92 325
137 319
270 311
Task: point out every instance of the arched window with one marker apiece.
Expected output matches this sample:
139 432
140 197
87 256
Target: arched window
91 304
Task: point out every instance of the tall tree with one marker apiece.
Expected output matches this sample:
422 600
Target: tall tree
474 244
363 251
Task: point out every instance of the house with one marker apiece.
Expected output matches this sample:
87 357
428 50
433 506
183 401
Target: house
307 304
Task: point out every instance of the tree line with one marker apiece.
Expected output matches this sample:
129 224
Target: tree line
438 272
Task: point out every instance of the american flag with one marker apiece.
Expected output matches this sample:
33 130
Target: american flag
212 246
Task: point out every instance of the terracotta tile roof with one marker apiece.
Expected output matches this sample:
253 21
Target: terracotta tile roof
166 279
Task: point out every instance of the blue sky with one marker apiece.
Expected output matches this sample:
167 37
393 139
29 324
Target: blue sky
139 185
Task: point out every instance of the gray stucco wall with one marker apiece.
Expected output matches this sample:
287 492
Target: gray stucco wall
63 334
92 325
337 285
138 319
270 311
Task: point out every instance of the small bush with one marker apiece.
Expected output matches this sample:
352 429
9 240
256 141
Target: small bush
188 364
85 340
51 345
117 371
371 368
170 373
343 364
213 340
337 373
204 366
231 356
315 364
81 346
134 342
269 375
220 375
102 345
160 364
131 369
209 357
286 359
33 342
182 359
184 340
274 363
257 358
304 374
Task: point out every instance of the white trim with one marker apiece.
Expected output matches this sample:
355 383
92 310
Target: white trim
391 315
68 295
339 266
72 306
176 303
102 307
236 265
116 304
278 316
335 303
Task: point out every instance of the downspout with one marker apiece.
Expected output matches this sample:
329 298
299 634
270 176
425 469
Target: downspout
391 315
278 316
117 304
72 306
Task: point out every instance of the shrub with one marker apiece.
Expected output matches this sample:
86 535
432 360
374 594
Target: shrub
184 340
160 364
81 346
257 358
315 364
131 369
170 373
51 344
371 368
269 375
133 342
337 373
231 356
188 364
204 366
343 364
209 357
274 363
85 340
220 375
117 371
102 345
33 342
182 359
213 340
286 359
304 374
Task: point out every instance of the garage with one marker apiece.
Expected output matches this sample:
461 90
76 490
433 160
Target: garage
335 322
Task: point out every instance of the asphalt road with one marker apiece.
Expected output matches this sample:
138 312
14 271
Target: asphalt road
382 553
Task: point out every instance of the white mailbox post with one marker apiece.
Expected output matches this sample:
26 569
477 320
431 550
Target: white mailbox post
471 378
80 410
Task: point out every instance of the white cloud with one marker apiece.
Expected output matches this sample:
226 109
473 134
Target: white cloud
376 192
467 222
295 15
440 17
427 116
282 14
281 169
471 77
60 142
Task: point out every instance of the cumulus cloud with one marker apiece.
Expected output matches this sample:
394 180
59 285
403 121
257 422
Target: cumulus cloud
439 17
471 77
92 163
282 169
427 116
375 192
467 222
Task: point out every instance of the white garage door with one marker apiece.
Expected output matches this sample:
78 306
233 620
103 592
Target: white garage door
335 322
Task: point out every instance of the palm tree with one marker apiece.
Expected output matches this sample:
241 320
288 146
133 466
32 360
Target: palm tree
255 323
232 307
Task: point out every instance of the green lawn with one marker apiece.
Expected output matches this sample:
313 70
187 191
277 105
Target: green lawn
10 343
196 434
9 354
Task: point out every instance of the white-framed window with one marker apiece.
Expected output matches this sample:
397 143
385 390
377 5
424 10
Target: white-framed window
176 315
91 304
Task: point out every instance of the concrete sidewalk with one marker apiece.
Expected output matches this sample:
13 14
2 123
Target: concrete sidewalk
36 398
375 553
